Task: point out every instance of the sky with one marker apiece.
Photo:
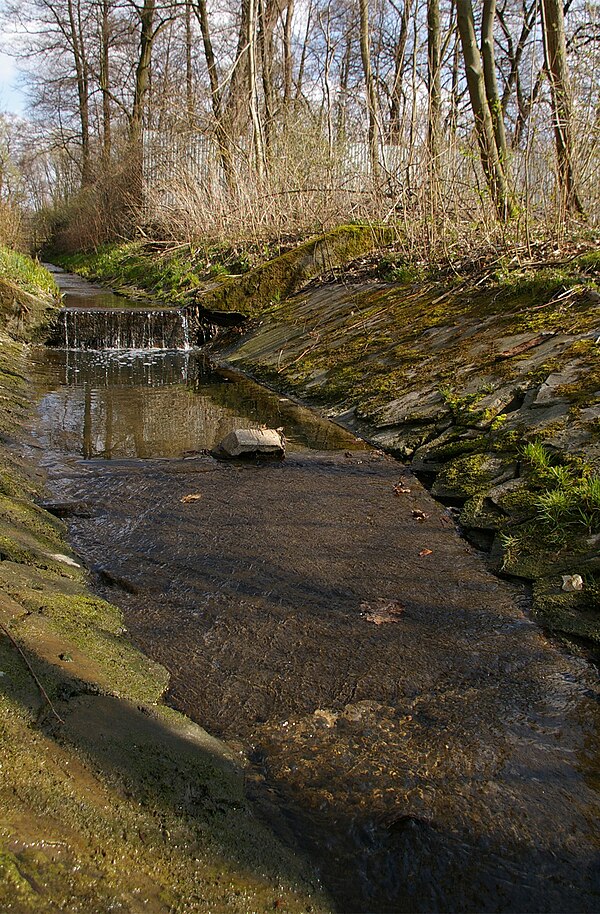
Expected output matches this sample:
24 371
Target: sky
12 99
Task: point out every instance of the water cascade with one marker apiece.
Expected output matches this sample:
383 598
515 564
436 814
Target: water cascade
132 328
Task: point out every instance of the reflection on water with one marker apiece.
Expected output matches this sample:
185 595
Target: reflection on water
78 292
167 404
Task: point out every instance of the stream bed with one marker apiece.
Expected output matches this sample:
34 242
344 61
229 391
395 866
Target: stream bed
402 718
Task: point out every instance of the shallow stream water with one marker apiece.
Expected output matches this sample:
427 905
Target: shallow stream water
404 720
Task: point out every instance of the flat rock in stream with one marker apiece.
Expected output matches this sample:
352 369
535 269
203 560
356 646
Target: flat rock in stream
251 442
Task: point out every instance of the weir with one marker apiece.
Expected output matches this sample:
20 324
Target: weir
96 328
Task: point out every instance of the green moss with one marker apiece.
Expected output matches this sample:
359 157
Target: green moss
570 613
13 880
479 513
465 476
279 278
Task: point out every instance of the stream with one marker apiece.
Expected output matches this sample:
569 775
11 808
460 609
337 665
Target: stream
403 720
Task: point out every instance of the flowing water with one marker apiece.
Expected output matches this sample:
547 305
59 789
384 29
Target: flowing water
404 720
98 319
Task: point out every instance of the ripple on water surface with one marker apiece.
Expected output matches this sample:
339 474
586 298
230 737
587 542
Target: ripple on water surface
405 721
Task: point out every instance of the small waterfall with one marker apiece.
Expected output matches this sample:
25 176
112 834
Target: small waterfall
121 329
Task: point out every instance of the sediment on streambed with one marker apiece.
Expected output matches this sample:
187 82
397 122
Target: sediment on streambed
109 798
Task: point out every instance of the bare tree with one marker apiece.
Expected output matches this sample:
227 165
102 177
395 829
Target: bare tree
484 125
372 101
555 55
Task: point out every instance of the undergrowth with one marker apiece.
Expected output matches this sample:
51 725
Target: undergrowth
26 273
568 492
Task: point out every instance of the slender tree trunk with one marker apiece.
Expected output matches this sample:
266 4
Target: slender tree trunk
288 59
258 148
365 53
222 135
515 54
454 91
434 56
83 98
105 84
397 98
342 100
555 54
142 72
235 103
302 64
189 70
489 76
484 127
266 25
329 54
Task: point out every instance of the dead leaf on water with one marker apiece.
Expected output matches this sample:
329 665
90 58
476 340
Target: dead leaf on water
419 515
424 552
382 611
188 498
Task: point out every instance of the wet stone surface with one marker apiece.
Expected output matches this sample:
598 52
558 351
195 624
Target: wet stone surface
403 718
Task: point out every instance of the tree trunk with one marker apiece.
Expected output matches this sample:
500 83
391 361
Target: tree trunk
267 12
434 55
189 72
489 76
397 98
484 127
555 55
83 98
235 104
288 59
216 97
258 149
142 72
342 99
365 53
105 84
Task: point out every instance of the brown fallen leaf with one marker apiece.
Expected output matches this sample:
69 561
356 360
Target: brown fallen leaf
419 515
383 611
426 552
400 488
188 498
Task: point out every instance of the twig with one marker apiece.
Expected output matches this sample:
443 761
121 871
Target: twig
301 356
30 668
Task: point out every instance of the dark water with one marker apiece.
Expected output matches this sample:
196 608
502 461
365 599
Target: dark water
405 722
169 404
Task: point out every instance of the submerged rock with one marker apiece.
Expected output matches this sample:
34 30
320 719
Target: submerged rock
250 442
